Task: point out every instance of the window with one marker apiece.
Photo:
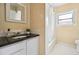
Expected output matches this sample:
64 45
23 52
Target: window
65 18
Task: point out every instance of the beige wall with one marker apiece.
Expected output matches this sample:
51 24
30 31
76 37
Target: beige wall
14 26
37 23
68 34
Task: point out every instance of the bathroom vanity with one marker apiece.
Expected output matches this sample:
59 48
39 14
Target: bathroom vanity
20 45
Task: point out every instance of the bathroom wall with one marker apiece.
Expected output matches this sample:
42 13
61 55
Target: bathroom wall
4 25
68 33
37 16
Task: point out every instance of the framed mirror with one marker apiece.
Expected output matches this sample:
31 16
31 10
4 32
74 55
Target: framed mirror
15 12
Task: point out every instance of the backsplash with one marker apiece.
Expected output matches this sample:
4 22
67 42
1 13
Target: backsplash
11 32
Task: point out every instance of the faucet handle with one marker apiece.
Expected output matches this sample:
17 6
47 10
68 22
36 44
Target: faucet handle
8 29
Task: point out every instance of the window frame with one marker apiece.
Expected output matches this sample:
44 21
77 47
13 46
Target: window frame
67 12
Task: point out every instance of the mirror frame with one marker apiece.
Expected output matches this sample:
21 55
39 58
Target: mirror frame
7 10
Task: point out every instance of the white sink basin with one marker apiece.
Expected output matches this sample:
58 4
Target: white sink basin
19 37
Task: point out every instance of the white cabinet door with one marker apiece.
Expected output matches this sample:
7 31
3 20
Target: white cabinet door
32 46
14 48
20 52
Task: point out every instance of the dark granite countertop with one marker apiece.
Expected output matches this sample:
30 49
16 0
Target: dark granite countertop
9 40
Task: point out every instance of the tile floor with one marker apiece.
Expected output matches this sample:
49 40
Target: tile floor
63 49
